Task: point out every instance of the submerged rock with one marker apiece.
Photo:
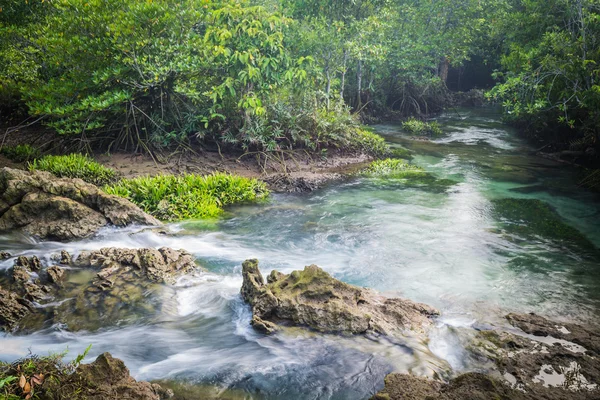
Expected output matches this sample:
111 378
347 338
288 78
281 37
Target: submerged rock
314 299
110 285
44 206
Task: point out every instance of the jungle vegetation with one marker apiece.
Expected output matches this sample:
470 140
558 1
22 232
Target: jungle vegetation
269 75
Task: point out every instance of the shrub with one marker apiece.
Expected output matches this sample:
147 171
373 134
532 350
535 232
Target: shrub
75 166
20 153
417 127
368 142
172 198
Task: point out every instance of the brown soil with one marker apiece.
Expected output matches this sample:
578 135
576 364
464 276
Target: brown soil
288 171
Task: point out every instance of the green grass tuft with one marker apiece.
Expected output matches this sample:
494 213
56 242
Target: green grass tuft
20 153
417 127
173 198
75 166
393 168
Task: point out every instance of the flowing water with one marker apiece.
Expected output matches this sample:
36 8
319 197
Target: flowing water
458 249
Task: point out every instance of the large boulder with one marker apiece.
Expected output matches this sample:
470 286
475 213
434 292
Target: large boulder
314 299
106 286
44 206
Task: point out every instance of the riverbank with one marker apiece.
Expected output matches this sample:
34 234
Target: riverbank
492 234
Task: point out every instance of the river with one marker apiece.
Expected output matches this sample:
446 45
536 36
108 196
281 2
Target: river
458 249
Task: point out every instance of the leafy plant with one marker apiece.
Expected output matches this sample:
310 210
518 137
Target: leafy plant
20 153
418 127
172 198
75 166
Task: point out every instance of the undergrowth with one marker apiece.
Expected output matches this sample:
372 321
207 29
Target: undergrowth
35 377
418 127
190 196
75 166
20 153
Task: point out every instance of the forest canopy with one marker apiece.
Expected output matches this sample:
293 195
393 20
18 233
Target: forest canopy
285 74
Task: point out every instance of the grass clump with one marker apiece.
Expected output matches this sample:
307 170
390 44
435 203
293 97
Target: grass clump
20 153
393 168
418 127
75 166
408 174
173 198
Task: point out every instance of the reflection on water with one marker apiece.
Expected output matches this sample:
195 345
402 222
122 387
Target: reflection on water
451 249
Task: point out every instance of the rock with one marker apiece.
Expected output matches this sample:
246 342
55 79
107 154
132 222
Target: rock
545 369
286 183
108 378
20 274
4 255
162 265
540 326
12 309
107 286
471 386
44 206
55 274
263 326
65 258
314 299
32 264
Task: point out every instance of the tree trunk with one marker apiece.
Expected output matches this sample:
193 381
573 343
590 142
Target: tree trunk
344 75
359 85
444 66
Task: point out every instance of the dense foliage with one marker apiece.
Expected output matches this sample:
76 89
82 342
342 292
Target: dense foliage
550 69
172 198
270 75
75 166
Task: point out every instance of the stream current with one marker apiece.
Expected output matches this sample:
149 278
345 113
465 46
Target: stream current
451 248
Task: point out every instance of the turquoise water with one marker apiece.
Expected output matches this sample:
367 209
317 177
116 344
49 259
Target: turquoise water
456 249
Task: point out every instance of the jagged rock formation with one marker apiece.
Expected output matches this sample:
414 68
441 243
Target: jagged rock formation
314 299
550 369
107 285
44 206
